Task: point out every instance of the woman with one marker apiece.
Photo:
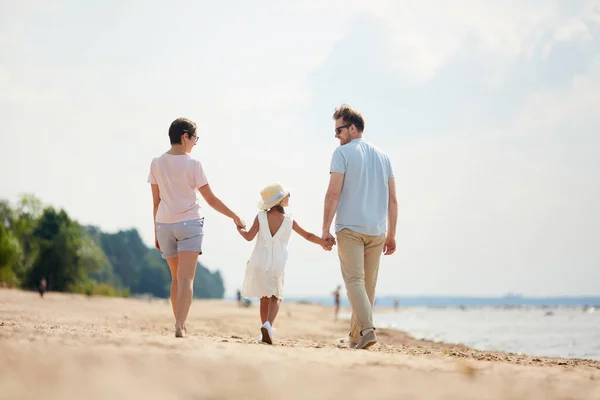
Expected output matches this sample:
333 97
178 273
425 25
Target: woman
175 178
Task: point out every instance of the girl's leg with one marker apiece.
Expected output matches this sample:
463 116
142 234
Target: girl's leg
185 281
264 309
273 309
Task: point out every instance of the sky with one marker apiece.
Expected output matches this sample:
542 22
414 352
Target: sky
489 112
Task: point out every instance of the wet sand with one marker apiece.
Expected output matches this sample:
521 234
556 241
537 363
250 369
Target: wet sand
72 347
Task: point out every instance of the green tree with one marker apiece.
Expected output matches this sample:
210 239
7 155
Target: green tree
155 276
59 258
7 214
93 260
21 221
30 205
105 273
38 242
125 251
208 285
10 255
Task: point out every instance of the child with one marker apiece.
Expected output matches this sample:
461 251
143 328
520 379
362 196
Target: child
265 268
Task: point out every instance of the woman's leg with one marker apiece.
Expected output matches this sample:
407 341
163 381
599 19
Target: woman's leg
273 309
264 309
173 263
185 281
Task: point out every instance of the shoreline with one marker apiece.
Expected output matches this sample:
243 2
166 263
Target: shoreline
411 345
401 337
73 346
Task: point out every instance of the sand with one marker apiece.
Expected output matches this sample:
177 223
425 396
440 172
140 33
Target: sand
74 347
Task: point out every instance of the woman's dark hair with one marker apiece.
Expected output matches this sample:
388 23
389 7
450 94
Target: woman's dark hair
179 127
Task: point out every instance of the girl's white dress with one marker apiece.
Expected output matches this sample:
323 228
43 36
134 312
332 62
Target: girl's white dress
266 266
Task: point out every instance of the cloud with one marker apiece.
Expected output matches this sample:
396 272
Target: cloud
547 109
426 35
574 29
423 37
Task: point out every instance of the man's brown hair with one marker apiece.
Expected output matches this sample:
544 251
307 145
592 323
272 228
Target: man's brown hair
350 116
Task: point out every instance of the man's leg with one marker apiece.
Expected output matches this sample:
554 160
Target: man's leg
373 250
372 254
354 330
351 255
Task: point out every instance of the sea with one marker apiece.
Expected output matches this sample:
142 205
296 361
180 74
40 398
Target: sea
547 332
567 327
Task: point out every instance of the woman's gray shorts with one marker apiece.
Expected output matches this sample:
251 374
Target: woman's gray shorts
180 236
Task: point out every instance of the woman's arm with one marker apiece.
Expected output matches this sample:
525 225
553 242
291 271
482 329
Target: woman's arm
311 237
249 235
156 201
218 205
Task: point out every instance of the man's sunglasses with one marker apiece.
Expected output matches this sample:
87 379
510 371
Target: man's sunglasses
339 128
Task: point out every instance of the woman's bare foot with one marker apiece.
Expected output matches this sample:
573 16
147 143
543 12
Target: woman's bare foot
180 333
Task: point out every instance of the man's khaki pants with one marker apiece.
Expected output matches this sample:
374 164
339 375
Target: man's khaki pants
359 259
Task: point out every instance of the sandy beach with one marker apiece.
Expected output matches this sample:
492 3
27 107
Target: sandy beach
72 347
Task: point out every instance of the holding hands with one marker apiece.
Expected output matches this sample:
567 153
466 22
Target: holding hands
328 244
329 241
241 228
239 223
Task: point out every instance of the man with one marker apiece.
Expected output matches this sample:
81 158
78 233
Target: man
362 191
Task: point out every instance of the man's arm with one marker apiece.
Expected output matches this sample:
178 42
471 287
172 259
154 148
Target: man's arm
390 241
336 180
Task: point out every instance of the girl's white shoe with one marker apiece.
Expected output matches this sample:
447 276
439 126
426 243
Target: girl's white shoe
259 338
266 333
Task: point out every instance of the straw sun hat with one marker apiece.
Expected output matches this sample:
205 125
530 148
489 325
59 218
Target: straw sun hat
271 196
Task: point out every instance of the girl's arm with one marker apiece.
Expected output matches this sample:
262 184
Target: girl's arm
311 237
249 235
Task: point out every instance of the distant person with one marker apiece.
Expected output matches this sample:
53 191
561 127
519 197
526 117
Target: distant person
396 304
176 178
265 269
336 302
42 287
239 297
362 192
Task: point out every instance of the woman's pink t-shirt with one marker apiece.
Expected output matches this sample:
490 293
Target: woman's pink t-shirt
178 178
